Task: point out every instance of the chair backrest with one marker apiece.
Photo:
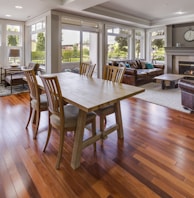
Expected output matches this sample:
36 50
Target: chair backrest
54 95
34 66
32 83
113 73
87 69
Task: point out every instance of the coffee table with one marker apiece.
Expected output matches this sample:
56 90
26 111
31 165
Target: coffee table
172 79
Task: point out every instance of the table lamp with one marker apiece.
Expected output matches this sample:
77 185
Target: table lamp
14 53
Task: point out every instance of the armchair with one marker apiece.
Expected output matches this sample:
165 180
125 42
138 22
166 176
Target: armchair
187 93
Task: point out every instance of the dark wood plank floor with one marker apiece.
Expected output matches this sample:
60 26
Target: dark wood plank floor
155 158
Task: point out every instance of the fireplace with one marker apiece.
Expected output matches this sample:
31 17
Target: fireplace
186 67
174 55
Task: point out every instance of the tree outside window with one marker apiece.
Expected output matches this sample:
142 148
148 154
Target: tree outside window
158 49
117 43
38 43
40 46
157 45
13 40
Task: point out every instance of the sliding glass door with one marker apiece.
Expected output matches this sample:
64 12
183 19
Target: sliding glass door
78 46
89 49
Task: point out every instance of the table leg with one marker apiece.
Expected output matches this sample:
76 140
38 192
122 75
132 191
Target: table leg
119 119
174 84
163 84
77 146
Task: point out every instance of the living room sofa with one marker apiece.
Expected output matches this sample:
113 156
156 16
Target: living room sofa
139 72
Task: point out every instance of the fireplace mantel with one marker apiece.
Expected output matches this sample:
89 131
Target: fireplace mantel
184 51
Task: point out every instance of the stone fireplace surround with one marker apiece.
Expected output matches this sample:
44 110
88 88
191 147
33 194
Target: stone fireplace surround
176 54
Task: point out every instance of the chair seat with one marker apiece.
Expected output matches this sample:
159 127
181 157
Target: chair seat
71 114
43 102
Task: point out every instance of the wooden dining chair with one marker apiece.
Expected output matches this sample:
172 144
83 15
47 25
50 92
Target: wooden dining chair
114 74
38 101
62 117
87 69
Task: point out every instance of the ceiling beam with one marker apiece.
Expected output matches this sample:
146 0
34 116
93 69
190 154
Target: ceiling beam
79 5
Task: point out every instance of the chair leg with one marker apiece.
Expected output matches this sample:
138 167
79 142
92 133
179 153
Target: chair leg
37 123
94 132
34 116
49 133
60 147
102 127
29 117
105 121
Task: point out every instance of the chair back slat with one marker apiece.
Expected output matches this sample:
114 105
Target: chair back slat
87 69
32 83
54 95
34 66
113 73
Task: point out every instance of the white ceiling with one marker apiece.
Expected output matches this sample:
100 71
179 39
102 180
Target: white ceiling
145 13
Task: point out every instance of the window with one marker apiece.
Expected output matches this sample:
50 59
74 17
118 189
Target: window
0 35
38 50
14 35
117 43
70 46
157 46
14 43
79 43
139 44
1 62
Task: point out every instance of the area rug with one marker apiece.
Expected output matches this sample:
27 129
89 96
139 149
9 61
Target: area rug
170 97
5 91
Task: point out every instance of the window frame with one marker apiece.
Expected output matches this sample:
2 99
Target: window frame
4 48
37 31
149 43
142 43
83 26
127 35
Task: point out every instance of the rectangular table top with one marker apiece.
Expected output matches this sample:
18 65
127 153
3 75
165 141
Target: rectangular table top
169 77
90 94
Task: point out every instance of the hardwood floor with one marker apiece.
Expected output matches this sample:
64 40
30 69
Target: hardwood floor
155 158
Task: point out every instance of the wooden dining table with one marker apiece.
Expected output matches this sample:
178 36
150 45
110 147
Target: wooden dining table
90 94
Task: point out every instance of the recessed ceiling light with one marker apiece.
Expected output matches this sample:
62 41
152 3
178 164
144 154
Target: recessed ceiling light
8 15
18 7
179 12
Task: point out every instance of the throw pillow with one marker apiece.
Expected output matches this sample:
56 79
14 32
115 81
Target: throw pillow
149 66
121 64
139 66
133 64
143 65
127 65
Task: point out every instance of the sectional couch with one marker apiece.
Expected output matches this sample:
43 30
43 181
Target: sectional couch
139 72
